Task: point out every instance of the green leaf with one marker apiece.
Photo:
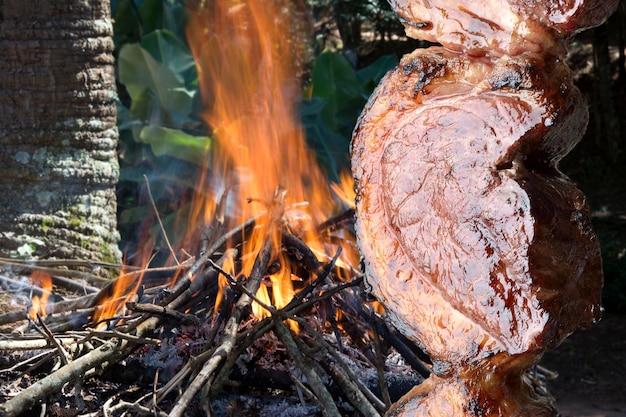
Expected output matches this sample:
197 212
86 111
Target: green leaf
338 96
151 12
371 75
125 23
139 71
170 51
331 148
175 17
335 80
176 143
333 75
163 14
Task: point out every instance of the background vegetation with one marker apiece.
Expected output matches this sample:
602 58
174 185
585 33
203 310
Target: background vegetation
354 43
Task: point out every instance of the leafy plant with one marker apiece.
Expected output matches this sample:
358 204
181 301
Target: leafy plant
159 75
161 135
336 96
352 18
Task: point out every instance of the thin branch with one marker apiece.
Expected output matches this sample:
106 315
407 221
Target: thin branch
163 311
202 380
380 364
329 408
156 213
371 398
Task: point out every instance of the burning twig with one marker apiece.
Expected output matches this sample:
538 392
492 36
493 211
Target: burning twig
33 343
402 345
163 311
351 390
111 351
59 268
65 359
109 334
47 334
358 394
230 330
380 366
219 346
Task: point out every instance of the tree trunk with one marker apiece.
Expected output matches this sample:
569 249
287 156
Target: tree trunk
58 135
607 123
349 30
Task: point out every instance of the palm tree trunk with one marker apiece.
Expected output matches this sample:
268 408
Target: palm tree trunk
58 135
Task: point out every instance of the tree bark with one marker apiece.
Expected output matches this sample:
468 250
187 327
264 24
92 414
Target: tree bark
58 134
349 30
607 123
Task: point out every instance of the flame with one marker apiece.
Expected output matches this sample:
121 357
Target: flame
229 268
247 63
345 189
38 303
248 54
121 291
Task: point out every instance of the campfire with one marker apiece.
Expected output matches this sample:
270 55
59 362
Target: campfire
266 280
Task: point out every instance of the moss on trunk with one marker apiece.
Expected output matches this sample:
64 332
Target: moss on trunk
58 135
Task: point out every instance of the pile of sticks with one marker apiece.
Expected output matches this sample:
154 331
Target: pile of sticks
77 351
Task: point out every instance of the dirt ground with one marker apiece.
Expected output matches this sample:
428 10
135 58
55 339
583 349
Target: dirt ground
592 370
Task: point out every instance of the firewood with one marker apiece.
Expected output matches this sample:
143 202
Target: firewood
328 407
109 352
157 307
202 380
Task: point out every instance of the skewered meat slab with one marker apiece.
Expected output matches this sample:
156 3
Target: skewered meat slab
479 247
501 27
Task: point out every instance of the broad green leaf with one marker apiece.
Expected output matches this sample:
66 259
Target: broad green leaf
151 12
175 17
170 51
145 107
331 147
139 71
332 74
335 80
163 14
371 75
312 107
176 143
125 24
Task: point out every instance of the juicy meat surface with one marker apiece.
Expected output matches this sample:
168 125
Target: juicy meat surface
501 27
481 391
471 237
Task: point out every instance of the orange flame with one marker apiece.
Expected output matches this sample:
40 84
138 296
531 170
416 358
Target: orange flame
38 303
345 189
121 291
248 55
247 64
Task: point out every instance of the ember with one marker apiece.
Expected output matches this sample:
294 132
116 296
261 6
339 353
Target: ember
479 247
